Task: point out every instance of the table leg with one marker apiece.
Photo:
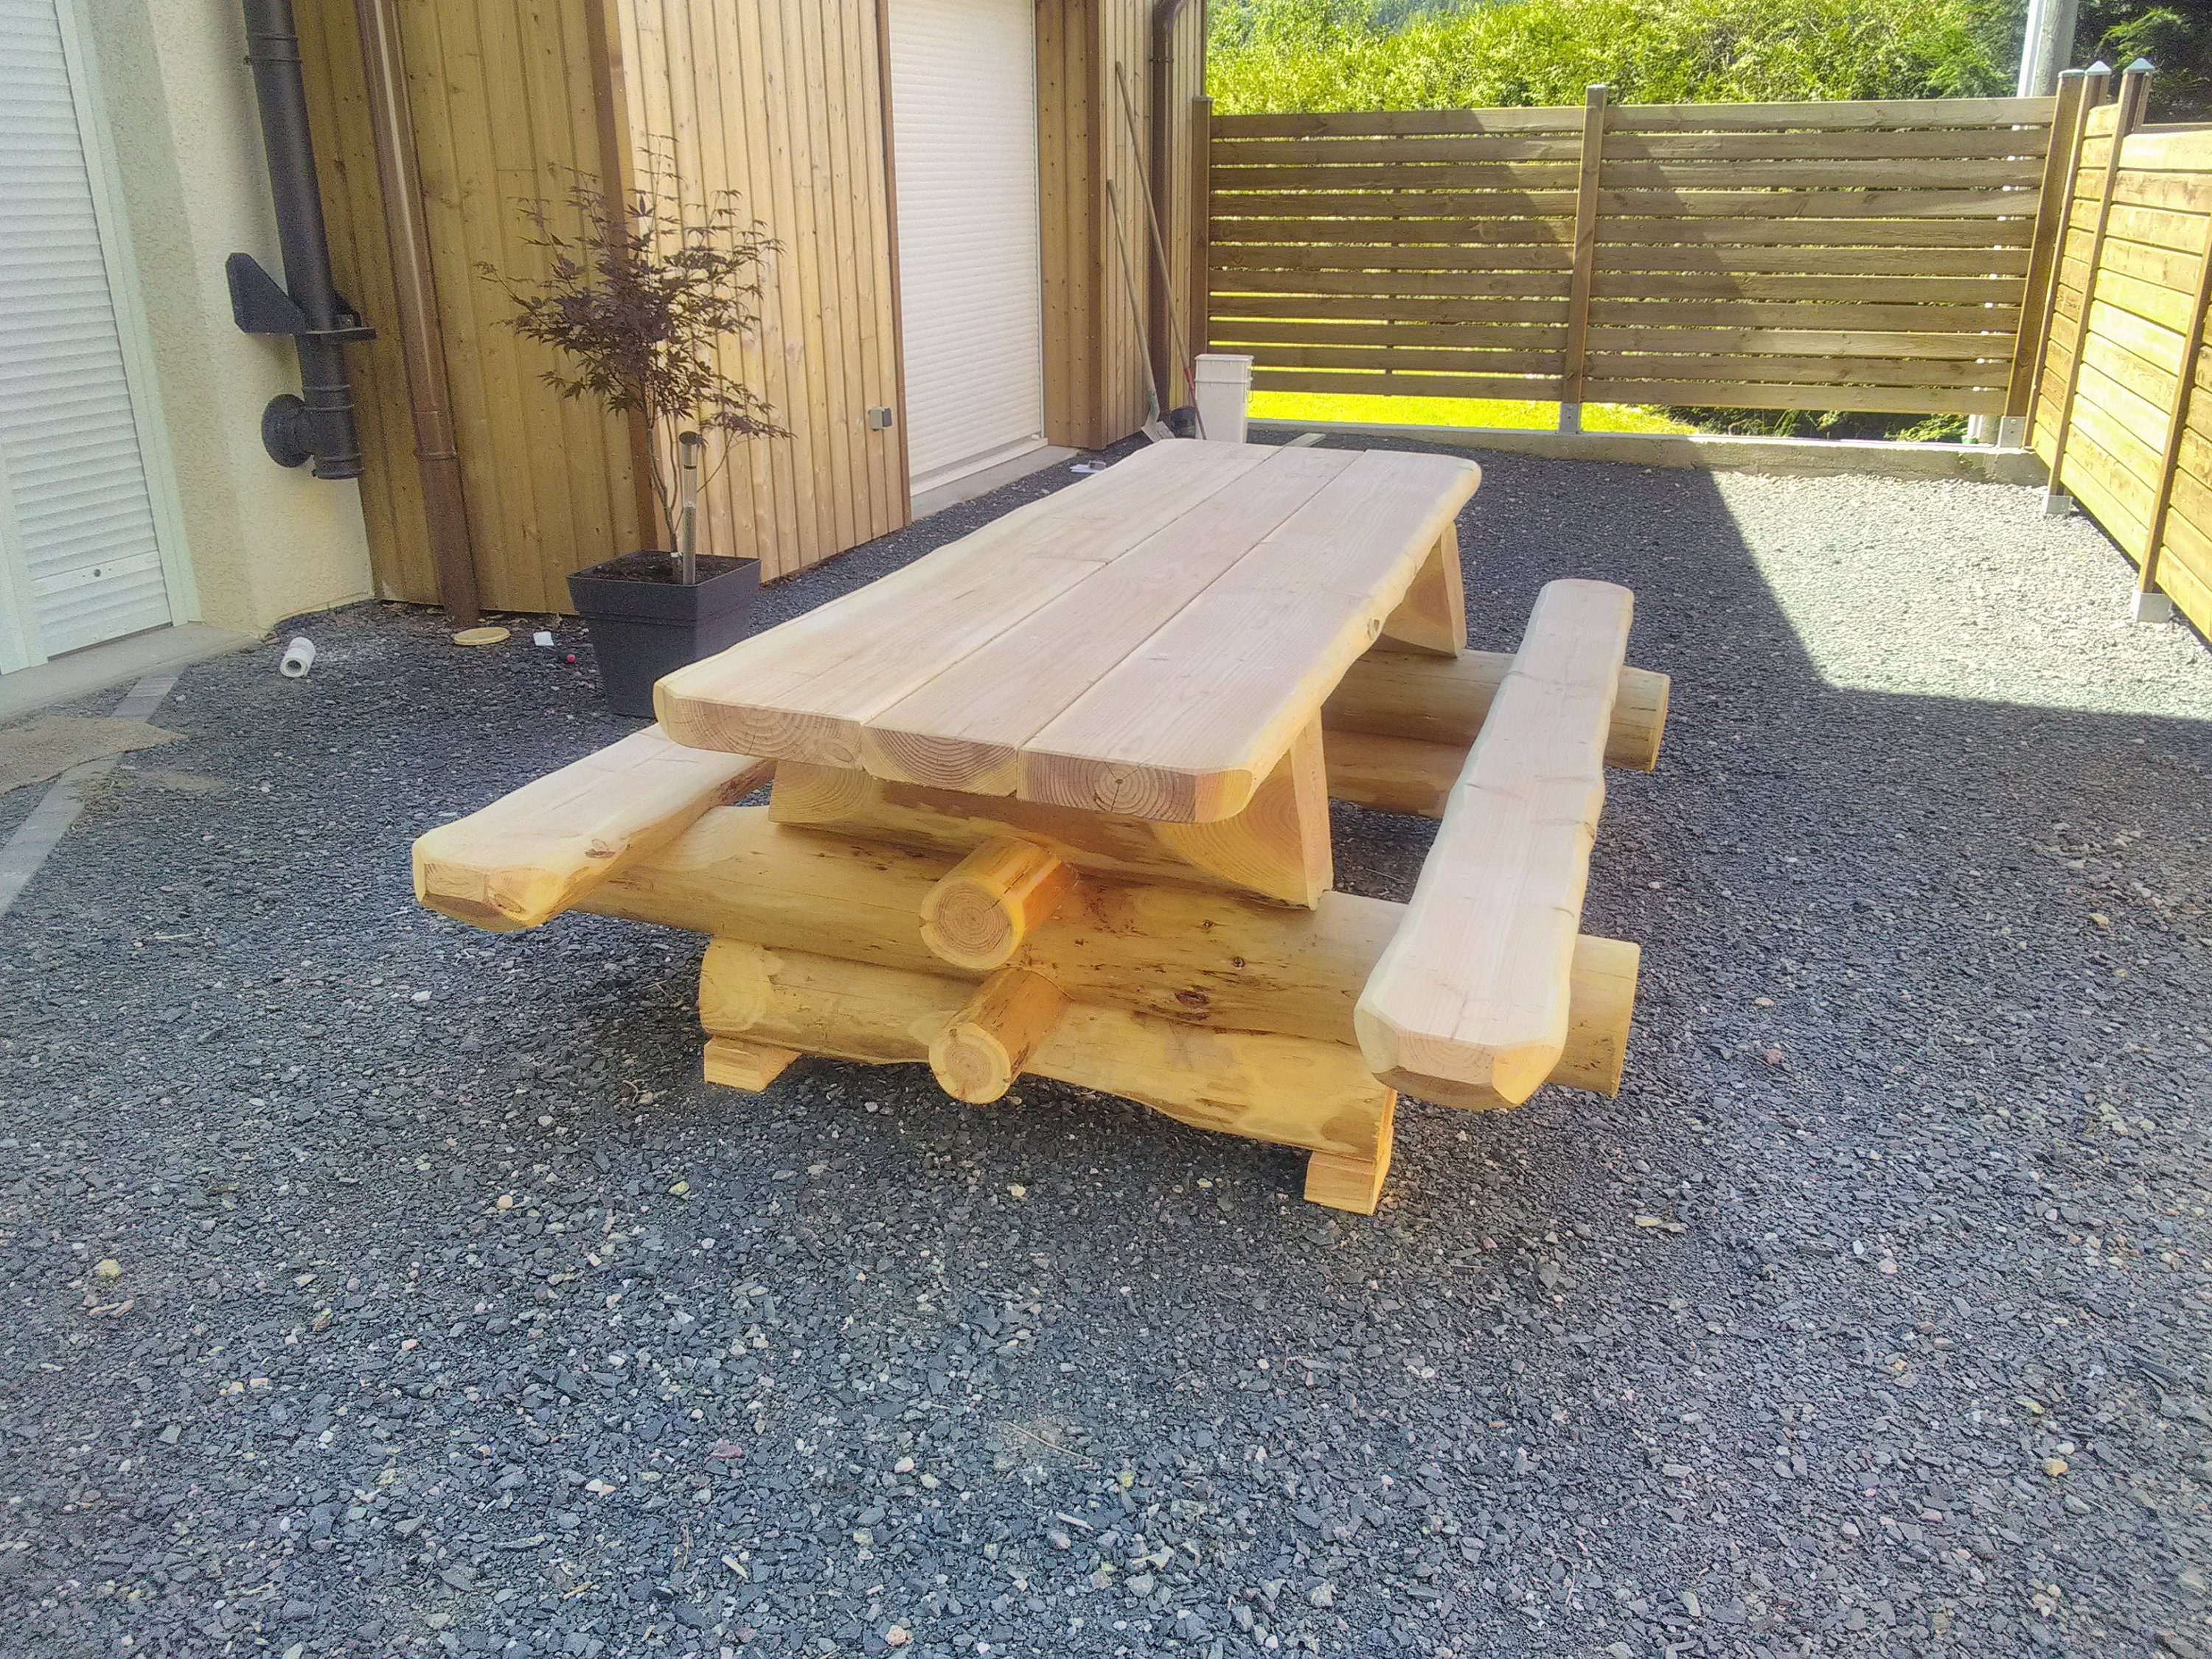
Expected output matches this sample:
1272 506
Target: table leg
1432 616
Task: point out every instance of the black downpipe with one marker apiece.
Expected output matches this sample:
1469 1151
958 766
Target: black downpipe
318 424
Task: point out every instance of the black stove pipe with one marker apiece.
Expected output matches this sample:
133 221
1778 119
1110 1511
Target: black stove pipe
318 424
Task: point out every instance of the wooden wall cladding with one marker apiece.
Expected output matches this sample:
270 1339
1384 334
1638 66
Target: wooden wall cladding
779 99
782 101
1097 243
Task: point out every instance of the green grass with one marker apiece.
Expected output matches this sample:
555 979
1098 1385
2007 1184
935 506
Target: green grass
1377 410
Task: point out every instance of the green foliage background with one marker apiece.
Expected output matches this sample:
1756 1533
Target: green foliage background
1269 55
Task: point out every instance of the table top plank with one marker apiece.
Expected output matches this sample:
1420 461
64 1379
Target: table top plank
807 689
1186 727
965 729
1147 643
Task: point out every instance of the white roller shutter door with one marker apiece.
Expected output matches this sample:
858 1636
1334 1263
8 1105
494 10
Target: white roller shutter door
964 129
76 525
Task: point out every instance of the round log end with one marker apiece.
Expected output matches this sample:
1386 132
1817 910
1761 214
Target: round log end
970 1063
971 926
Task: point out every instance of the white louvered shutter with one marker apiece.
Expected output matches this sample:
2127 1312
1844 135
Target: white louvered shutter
964 128
83 519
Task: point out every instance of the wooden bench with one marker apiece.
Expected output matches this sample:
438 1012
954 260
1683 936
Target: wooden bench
1137 895
1469 1005
531 854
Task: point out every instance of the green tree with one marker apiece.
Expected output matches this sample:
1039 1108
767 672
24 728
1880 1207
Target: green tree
2176 36
1377 54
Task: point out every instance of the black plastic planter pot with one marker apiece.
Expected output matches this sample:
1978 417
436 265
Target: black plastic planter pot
646 624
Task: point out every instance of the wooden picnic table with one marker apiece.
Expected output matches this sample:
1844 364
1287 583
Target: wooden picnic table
1054 800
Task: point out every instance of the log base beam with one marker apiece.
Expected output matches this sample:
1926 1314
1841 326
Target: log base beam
1289 1090
978 1055
978 916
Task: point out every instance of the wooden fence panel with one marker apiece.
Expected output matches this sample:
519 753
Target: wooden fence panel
2134 444
1731 247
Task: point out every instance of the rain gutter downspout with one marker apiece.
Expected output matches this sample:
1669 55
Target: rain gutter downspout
318 424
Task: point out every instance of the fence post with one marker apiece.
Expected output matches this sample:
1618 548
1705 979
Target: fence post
1585 261
2054 208
2135 93
2096 90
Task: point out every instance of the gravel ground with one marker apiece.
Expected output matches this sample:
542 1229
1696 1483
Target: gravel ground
375 1286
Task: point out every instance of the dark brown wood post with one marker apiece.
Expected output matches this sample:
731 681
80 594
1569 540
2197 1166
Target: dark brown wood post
415 296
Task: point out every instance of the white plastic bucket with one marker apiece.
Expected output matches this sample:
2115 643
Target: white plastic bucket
1223 383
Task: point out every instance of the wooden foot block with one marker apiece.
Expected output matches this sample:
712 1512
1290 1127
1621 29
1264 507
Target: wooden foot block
736 1064
1343 1182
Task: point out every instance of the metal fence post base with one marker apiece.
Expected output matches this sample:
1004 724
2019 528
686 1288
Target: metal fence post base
1570 417
2057 504
2149 607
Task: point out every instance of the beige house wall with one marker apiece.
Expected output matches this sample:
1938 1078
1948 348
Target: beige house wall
176 103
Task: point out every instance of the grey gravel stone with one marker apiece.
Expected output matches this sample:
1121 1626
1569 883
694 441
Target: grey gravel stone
1916 1104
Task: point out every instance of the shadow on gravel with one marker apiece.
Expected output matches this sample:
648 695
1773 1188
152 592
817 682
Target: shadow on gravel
451 1314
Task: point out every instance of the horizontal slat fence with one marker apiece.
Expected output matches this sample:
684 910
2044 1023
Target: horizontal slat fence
1860 256
2134 444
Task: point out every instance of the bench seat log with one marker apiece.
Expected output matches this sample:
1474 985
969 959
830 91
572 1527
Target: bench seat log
1470 1002
531 854
1437 700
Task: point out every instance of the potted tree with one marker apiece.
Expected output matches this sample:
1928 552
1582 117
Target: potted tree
643 302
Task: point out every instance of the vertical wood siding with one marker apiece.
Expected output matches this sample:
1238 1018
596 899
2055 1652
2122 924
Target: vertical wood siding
776 99
504 114
781 101
353 210
1181 213
1067 239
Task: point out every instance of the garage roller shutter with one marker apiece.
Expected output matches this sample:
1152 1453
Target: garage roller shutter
964 114
85 551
